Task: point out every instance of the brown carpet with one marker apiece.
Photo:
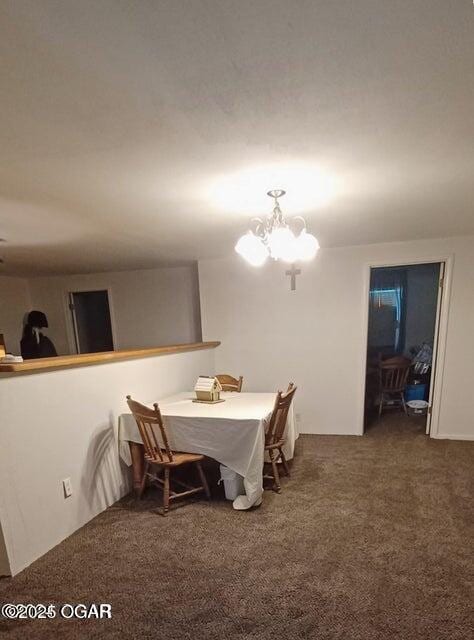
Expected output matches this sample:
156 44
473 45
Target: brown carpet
370 539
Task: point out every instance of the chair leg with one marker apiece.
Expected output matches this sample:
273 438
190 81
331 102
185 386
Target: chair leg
380 405
166 491
404 404
143 481
276 475
284 462
203 480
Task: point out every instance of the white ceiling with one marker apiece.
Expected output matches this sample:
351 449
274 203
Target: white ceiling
136 133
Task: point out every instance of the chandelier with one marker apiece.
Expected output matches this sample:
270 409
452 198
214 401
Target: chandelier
274 237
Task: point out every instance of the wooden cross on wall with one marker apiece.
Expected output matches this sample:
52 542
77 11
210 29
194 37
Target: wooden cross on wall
293 272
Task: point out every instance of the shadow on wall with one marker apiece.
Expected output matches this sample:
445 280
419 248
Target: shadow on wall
104 478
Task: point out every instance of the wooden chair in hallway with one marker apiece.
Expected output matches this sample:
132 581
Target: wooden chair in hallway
393 376
160 459
228 383
275 435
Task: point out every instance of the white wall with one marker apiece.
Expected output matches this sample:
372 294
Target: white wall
152 307
61 424
14 303
316 335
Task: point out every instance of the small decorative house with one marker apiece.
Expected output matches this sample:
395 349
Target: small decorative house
208 389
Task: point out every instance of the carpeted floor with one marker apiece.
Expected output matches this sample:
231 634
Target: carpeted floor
370 539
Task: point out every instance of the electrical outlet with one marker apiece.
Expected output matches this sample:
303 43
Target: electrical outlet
67 487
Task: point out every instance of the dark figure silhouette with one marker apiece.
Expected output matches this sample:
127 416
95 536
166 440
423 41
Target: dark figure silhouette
34 344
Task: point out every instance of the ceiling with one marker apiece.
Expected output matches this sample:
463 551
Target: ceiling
134 134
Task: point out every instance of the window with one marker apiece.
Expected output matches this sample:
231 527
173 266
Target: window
386 312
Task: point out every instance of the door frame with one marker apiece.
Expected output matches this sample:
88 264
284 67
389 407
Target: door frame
442 320
70 330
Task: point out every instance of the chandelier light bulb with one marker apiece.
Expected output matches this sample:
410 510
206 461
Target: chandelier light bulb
290 252
252 249
306 246
280 243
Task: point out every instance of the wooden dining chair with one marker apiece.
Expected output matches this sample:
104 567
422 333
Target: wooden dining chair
275 434
228 383
393 376
160 459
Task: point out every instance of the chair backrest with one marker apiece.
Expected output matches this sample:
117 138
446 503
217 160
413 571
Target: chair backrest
228 383
147 419
394 373
276 428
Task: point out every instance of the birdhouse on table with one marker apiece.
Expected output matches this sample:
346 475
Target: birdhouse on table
208 389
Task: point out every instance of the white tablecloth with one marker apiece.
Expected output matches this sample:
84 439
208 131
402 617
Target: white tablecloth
231 432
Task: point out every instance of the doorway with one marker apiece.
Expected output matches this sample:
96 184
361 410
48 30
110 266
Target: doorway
91 321
404 311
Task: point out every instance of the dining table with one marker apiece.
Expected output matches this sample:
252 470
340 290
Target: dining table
231 431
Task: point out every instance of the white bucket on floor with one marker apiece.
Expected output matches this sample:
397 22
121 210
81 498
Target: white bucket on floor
417 407
233 483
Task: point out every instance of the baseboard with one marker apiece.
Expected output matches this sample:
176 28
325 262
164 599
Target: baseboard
329 433
453 436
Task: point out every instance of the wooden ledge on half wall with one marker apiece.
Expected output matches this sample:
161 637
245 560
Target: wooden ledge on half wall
63 362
